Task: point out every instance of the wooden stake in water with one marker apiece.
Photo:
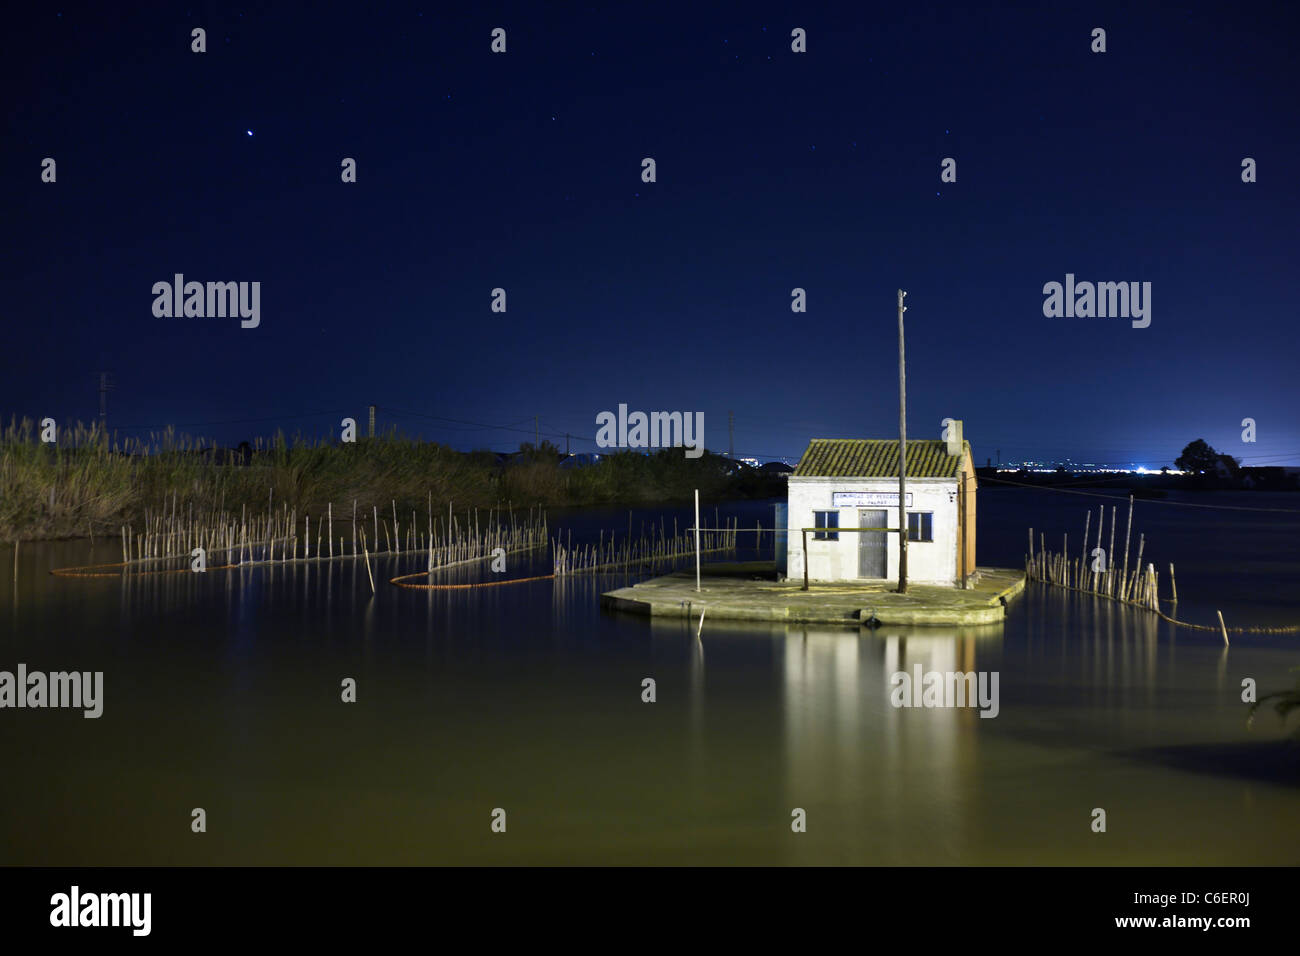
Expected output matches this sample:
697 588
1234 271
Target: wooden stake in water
1172 582
1083 558
366 553
1223 627
1101 527
700 630
1128 530
697 546
1110 555
1137 567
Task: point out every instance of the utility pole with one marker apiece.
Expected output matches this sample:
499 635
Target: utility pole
566 444
105 386
731 435
902 451
537 429
371 433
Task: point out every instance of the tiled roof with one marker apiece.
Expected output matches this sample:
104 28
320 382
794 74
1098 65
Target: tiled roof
878 458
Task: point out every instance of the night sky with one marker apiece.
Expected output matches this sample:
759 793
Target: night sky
775 170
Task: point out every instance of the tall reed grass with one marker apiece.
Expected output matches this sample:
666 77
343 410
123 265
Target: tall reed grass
93 482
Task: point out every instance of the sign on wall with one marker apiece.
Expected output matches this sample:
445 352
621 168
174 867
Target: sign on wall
867 499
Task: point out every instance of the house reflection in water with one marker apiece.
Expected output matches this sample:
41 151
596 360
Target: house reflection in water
851 754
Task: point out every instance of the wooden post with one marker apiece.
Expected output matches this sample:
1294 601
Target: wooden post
366 553
902 452
1128 530
1110 555
961 524
1101 521
1083 559
1223 627
697 541
1173 582
805 557
1137 566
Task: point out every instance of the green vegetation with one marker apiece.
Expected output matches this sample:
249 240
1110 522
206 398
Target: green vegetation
89 482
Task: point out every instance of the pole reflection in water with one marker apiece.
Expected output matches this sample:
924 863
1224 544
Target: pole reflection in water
850 754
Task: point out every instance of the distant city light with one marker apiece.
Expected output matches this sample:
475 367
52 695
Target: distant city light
1044 468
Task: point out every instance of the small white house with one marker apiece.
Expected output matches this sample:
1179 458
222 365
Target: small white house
844 484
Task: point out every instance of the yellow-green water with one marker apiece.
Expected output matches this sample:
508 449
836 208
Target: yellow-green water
222 692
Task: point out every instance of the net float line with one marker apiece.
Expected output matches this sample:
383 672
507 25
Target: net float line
401 580
89 571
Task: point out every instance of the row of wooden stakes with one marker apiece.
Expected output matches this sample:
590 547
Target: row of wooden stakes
278 536
653 549
1094 570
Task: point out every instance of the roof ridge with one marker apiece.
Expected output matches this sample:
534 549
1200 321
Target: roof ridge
878 458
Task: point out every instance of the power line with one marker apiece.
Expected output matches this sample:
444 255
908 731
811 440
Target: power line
1152 501
236 421
461 421
105 386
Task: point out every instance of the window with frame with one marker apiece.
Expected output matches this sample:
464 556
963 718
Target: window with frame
826 519
920 526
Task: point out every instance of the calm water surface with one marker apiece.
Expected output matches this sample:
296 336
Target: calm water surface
222 691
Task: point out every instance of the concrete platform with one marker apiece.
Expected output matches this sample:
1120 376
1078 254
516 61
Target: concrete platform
750 592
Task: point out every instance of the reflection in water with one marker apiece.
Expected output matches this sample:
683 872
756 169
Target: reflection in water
848 747
674 639
222 690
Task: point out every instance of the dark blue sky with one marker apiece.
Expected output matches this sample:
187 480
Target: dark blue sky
775 170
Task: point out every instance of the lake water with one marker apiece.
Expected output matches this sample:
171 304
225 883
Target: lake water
222 691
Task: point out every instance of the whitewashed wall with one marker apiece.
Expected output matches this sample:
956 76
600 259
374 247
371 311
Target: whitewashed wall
928 562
